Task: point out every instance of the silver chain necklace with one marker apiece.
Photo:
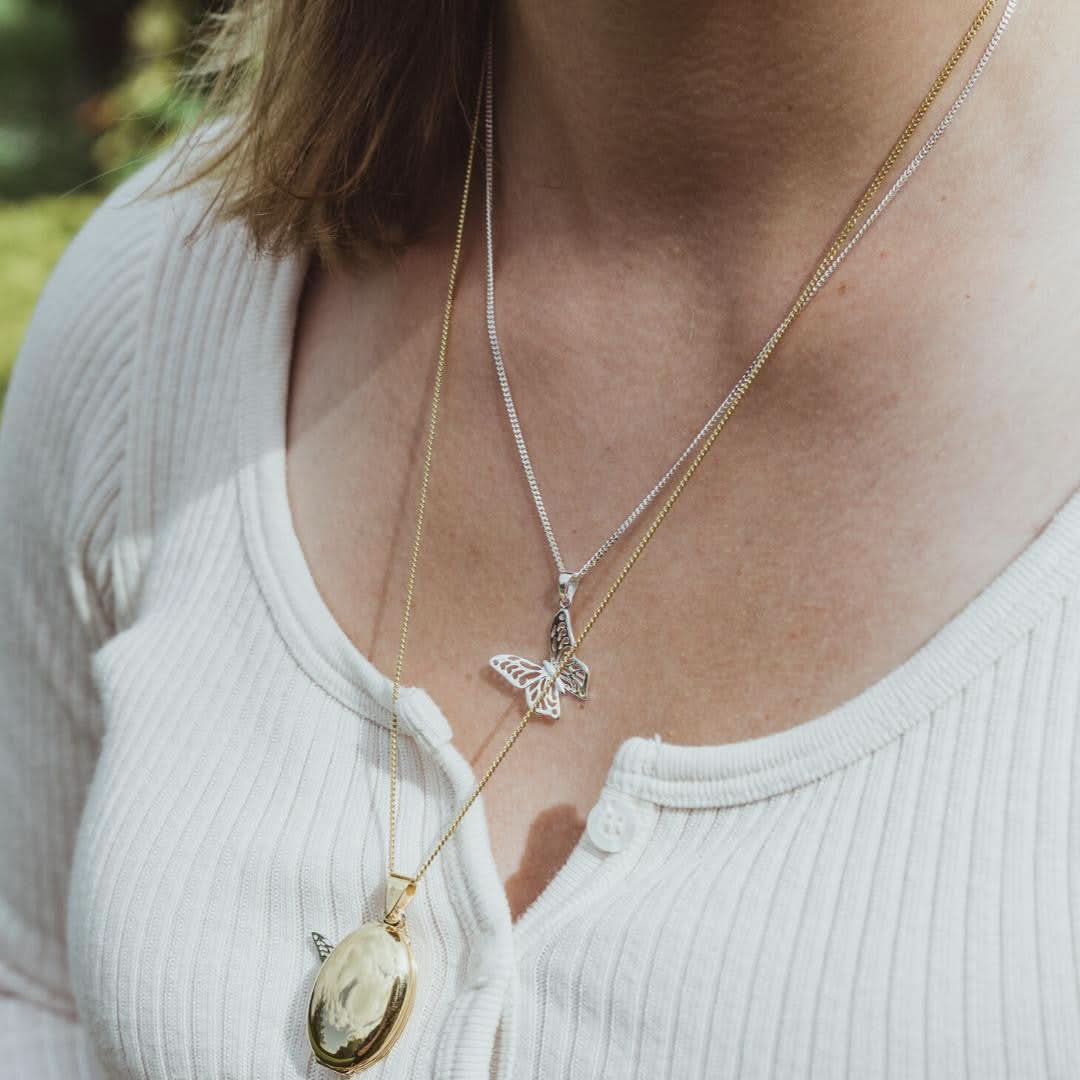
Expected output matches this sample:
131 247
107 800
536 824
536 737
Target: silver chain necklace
573 679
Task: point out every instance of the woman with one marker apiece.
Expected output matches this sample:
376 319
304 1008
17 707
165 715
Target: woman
816 815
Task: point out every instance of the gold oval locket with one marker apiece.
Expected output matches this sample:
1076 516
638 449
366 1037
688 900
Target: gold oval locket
363 993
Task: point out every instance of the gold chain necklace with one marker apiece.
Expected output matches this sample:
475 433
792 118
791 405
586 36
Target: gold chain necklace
363 994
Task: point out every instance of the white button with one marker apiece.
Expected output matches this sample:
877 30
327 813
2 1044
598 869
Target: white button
611 822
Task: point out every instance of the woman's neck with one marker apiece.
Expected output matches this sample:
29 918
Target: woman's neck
641 119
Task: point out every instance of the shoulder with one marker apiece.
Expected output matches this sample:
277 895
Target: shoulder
126 285
108 274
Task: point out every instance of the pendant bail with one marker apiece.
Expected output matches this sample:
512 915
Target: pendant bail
567 587
400 889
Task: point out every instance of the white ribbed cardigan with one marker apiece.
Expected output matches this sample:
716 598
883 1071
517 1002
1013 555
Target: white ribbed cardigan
889 890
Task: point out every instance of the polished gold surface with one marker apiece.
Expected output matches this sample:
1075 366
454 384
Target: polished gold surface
362 998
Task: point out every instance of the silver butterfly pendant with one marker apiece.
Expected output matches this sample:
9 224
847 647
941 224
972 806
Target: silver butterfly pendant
530 676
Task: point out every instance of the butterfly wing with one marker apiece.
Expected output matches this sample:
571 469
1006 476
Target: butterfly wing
324 946
517 670
575 676
574 679
562 636
529 676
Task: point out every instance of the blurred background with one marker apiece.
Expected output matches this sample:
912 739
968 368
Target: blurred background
87 89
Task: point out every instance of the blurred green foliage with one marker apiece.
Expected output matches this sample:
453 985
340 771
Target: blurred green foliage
35 232
88 88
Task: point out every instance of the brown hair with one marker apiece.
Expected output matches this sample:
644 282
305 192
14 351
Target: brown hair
348 120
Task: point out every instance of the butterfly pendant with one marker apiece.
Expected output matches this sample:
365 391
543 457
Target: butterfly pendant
530 676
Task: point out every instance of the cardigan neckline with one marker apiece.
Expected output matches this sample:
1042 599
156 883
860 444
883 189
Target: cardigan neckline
686 776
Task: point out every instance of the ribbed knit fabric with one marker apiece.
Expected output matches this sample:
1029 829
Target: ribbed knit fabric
889 890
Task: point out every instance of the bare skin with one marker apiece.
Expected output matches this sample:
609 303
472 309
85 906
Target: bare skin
916 429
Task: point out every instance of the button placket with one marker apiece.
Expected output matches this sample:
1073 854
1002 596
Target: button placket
468 1032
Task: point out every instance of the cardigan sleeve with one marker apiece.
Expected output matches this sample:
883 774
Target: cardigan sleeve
62 458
